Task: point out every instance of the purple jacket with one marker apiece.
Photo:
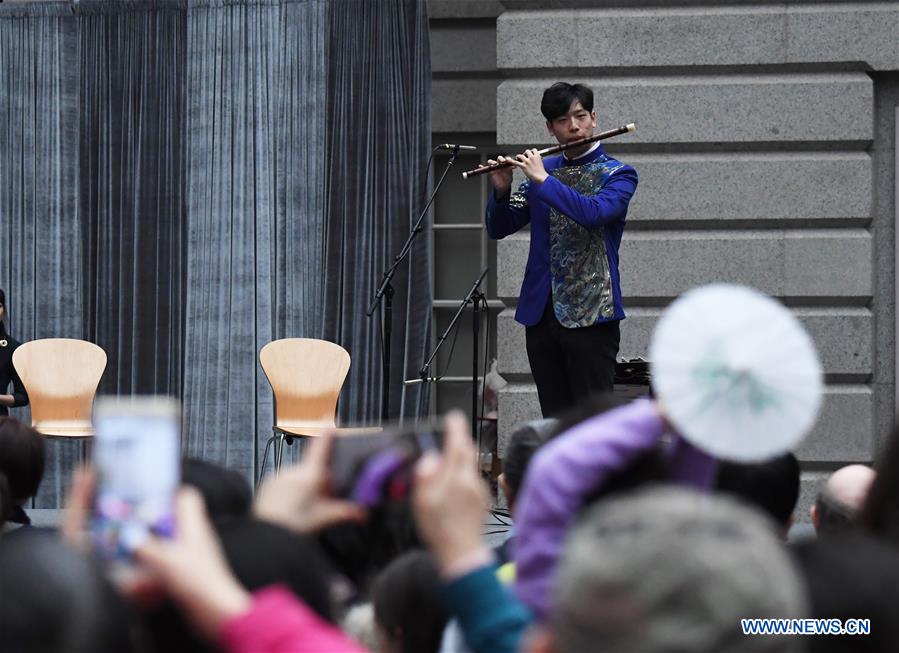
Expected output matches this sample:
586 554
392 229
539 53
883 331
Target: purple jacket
569 467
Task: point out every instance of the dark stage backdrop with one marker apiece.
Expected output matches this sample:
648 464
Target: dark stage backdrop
182 181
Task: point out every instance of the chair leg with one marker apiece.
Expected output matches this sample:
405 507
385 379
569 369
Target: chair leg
265 458
279 452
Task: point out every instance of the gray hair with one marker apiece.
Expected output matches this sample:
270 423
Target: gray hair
665 570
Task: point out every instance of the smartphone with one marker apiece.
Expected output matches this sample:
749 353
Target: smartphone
374 468
137 460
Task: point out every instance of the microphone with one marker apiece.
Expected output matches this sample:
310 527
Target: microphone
427 379
451 146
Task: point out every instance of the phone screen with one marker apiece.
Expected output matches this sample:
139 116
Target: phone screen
374 468
137 458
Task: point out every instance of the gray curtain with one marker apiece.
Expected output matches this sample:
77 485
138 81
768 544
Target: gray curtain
40 222
255 148
379 90
182 181
131 121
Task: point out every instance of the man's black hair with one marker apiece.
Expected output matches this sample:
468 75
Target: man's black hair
832 515
850 575
260 555
22 457
880 512
558 98
407 604
523 444
771 486
596 404
56 599
226 493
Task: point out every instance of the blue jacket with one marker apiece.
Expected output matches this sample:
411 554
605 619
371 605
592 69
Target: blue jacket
492 620
577 218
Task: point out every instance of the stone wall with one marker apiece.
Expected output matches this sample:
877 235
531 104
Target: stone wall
765 146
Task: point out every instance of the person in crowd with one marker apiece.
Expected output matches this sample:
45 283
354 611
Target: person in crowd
523 443
772 486
450 501
6 504
576 204
637 569
259 554
669 569
838 503
360 550
8 374
193 570
53 598
22 456
849 574
624 445
409 614
226 494
880 512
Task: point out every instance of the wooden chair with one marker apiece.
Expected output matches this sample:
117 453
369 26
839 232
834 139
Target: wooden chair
306 376
61 376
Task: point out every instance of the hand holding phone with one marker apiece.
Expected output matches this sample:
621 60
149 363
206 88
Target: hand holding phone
450 499
374 468
299 498
137 462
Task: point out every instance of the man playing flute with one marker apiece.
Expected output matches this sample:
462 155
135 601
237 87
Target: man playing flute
576 203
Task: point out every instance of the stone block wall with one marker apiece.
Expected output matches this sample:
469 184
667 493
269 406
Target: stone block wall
765 146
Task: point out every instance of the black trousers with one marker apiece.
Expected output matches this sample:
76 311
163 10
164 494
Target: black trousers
570 364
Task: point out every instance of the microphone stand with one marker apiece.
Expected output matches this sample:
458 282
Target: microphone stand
385 291
477 300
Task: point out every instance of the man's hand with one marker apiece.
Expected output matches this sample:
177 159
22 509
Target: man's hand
531 163
501 179
449 498
298 498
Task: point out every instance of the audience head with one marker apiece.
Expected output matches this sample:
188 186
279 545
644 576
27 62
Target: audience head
2 313
262 554
596 404
225 492
408 611
6 504
852 575
360 551
55 599
842 497
21 459
523 442
259 554
772 486
640 567
880 513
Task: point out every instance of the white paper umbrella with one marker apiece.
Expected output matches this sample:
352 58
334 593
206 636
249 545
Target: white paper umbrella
735 372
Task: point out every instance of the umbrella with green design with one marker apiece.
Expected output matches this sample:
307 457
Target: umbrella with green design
735 372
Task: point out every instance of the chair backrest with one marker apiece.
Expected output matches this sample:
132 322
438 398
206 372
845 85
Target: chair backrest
61 376
306 376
